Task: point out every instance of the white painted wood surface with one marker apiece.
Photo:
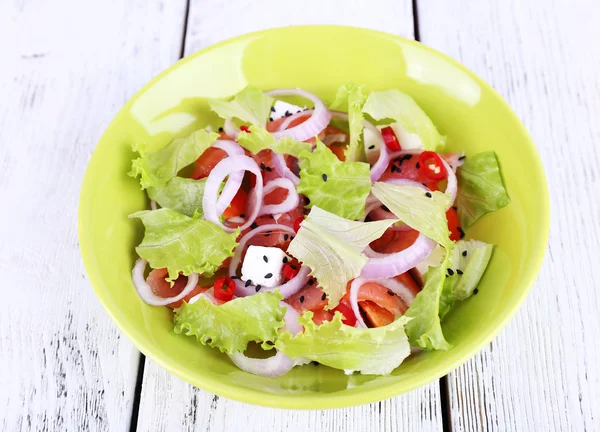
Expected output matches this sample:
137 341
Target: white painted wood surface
67 67
542 372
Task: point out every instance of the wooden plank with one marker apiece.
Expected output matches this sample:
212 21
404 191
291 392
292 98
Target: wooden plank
168 403
67 67
542 372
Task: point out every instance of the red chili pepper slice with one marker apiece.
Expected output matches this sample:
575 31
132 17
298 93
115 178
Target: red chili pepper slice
289 272
431 166
245 129
349 317
390 139
224 288
456 232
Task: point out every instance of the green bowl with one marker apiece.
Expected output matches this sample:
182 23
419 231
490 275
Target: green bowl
319 59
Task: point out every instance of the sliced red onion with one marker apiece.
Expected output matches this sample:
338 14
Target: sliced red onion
383 161
145 291
311 127
289 203
455 159
283 170
397 263
354 289
399 288
280 363
334 138
224 168
235 179
452 186
208 295
288 120
288 289
230 128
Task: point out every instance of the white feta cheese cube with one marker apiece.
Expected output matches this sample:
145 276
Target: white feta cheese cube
282 107
262 265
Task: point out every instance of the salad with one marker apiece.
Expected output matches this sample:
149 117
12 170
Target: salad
311 232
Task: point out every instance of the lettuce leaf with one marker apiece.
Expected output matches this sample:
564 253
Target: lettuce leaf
157 166
183 195
332 247
338 187
232 325
415 208
250 105
401 108
260 139
183 244
433 302
376 351
350 98
480 188
471 257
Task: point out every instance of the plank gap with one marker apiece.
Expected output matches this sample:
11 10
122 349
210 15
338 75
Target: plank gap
185 25
415 10
137 394
445 404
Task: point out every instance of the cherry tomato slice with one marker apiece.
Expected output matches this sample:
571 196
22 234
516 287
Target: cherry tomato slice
456 232
224 288
390 139
349 317
431 165
289 272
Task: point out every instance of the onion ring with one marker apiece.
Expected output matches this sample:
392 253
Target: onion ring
145 291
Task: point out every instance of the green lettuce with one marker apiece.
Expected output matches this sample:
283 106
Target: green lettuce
332 247
260 139
183 244
250 105
232 325
183 195
157 166
480 188
413 206
429 306
375 351
338 187
471 257
350 98
401 108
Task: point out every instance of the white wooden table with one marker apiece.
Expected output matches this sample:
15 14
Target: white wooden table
67 66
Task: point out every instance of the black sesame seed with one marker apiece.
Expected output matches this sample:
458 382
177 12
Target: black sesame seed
371 147
272 109
324 296
398 170
450 272
393 168
220 129
268 275
262 166
307 201
297 112
428 194
270 118
248 283
324 177
269 169
285 237
418 165
408 157
462 158
476 290
285 259
265 259
459 271
464 253
390 292
311 282
301 299
235 277
287 113
243 215
258 287
254 225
